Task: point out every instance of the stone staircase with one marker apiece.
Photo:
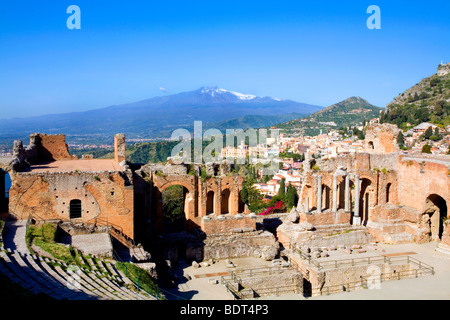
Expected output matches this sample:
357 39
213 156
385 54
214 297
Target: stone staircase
68 282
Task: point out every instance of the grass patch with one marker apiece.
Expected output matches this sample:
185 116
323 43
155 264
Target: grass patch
140 277
44 237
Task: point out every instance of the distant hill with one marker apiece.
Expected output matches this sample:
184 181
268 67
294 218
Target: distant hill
427 101
350 112
254 121
158 117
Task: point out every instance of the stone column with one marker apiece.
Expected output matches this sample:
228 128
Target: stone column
356 217
335 198
120 148
347 193
306 204
319 194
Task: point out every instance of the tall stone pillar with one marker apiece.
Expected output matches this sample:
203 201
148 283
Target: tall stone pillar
319 194
356 217
335 197
347 193
120 148
306 204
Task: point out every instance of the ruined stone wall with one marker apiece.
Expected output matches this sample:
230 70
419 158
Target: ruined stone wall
257 244
381 138
51 147
225 224
418 179
104 195
42 148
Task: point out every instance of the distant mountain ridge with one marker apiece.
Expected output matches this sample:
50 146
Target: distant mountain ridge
157 117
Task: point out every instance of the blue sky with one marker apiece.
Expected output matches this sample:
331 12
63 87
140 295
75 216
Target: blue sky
317 52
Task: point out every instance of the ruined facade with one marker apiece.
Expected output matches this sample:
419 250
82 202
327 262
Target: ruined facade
381 195
389 196
50 184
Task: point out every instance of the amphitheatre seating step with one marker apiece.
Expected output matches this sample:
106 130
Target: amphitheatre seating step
48 286
75 294
92 264
82 285
124 277
25 280
60 286
102 266
126 294
112 269
92 279
104 284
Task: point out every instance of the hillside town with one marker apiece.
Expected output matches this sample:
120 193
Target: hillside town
423 138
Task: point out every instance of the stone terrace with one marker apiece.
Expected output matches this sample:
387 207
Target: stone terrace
89 165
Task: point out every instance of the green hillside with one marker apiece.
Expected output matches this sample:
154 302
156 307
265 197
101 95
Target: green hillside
427 101
348 113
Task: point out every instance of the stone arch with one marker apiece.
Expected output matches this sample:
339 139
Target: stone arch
366 197
189 198
189 187
389 192
434 213
171 203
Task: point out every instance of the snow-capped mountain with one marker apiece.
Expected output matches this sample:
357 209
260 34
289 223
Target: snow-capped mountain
215 92
159 116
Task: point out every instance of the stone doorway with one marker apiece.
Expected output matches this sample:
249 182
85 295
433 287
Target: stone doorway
210 201
225 206
434 215
75 209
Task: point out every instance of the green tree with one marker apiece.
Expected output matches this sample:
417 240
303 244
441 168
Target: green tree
291 196
426 148
244 194
428 133
282 190
400 139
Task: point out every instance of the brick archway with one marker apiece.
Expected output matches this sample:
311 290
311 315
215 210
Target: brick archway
434 214
214 195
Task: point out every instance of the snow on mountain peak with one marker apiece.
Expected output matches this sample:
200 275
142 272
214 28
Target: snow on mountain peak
217 91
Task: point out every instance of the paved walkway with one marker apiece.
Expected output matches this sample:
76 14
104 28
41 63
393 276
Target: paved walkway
14 237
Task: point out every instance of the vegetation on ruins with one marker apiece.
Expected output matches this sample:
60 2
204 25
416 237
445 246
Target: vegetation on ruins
140 277
44 237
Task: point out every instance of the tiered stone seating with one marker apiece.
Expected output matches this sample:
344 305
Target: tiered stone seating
53 278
